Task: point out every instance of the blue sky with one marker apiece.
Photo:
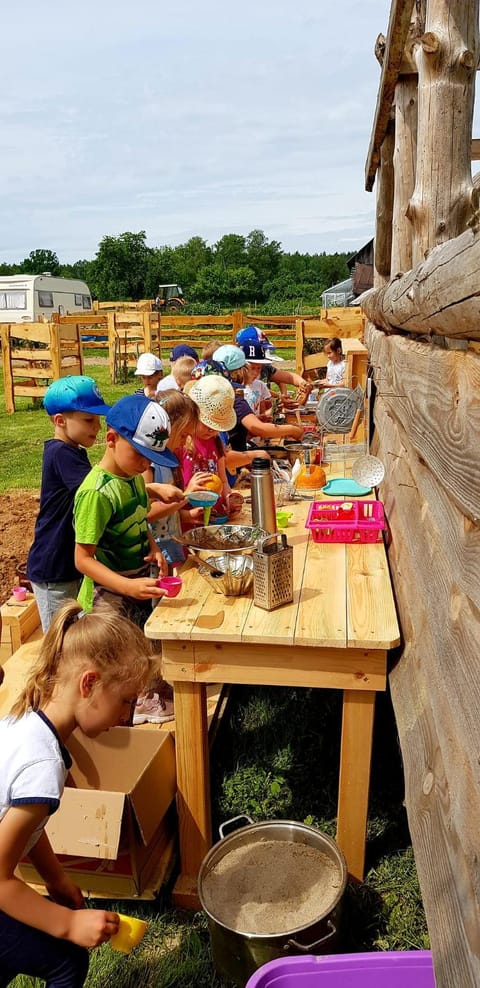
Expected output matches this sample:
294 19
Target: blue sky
187 119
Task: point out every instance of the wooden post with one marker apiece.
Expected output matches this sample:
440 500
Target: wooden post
404 162
355 758
299 346
112 344
7 369
147 333
54 333
237 323
383 229
442 203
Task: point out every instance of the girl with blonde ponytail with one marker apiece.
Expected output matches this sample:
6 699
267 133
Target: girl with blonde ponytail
88 674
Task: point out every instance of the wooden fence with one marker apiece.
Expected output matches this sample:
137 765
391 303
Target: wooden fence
126 333
34 354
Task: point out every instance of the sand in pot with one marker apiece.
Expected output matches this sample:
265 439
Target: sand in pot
270 887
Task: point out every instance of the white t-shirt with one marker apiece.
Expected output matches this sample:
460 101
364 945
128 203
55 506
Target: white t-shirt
167 383
34 766
256 392
335 372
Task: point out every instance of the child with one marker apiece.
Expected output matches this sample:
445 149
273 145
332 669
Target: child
183 350
166 519
247 423
74 405
113 544
149 368
336 363
180 373
204 450
257 394
87 676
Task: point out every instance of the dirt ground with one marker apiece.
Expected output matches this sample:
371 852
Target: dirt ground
18 510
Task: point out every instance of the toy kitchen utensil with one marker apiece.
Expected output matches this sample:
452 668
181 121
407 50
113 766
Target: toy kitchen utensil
273 572
368 470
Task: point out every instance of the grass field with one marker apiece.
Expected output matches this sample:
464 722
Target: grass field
276 757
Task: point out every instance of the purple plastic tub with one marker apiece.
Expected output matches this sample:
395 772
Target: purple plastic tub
386 969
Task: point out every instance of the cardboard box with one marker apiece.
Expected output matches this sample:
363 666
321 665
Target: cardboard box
116 816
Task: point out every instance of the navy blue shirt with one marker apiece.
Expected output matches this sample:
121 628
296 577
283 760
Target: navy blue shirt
51 557
238 435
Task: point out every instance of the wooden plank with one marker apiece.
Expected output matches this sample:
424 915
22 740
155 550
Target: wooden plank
90 319
322 613
284 665
25 354
279 625
30 392
30 371
184 320
38 331
371 616
431 394
175 618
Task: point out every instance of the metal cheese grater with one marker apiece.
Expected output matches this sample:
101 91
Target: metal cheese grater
273 572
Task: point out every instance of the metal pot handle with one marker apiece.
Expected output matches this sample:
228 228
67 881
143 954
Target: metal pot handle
234 819
309 948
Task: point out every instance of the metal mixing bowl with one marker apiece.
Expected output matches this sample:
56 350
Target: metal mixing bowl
221 539
230 575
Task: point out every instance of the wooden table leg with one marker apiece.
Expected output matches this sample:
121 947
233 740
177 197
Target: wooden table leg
193 788
354 780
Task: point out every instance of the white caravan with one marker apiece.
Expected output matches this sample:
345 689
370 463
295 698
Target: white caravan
25 297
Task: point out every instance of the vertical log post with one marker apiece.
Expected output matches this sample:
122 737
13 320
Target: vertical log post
441 204
404 162
383 226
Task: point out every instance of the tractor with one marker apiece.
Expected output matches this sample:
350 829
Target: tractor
169 297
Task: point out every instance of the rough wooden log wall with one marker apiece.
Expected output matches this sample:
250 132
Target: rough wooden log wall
427 418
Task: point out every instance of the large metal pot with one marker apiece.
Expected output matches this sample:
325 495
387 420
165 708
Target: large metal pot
237 953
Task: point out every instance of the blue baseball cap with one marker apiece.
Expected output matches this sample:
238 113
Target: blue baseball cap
145 425
252 334
74 393
183 350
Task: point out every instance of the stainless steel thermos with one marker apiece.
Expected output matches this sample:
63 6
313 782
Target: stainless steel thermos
263 495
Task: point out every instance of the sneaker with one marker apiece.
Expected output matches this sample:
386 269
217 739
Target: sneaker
152 709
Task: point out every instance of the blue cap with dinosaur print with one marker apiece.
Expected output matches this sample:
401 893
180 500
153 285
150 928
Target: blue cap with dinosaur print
145 425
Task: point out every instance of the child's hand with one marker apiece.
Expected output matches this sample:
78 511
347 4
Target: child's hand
167 493
65 893
91 927
159 560
143 588
198 481
195 515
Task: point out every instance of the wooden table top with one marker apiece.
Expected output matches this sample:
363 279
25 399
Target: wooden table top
342 599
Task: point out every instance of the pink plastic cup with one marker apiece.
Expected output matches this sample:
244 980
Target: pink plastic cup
170 584
19 593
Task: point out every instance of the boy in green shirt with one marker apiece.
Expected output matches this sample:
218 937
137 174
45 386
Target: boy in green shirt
114 547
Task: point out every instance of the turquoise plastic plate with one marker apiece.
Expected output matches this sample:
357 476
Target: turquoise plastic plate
345 486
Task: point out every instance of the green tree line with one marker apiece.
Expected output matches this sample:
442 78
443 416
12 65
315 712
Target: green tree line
235 272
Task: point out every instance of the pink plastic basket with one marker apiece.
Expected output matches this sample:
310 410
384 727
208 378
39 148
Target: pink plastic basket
385 969
346 521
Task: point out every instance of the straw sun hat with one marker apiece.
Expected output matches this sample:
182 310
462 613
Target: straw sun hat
214 396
